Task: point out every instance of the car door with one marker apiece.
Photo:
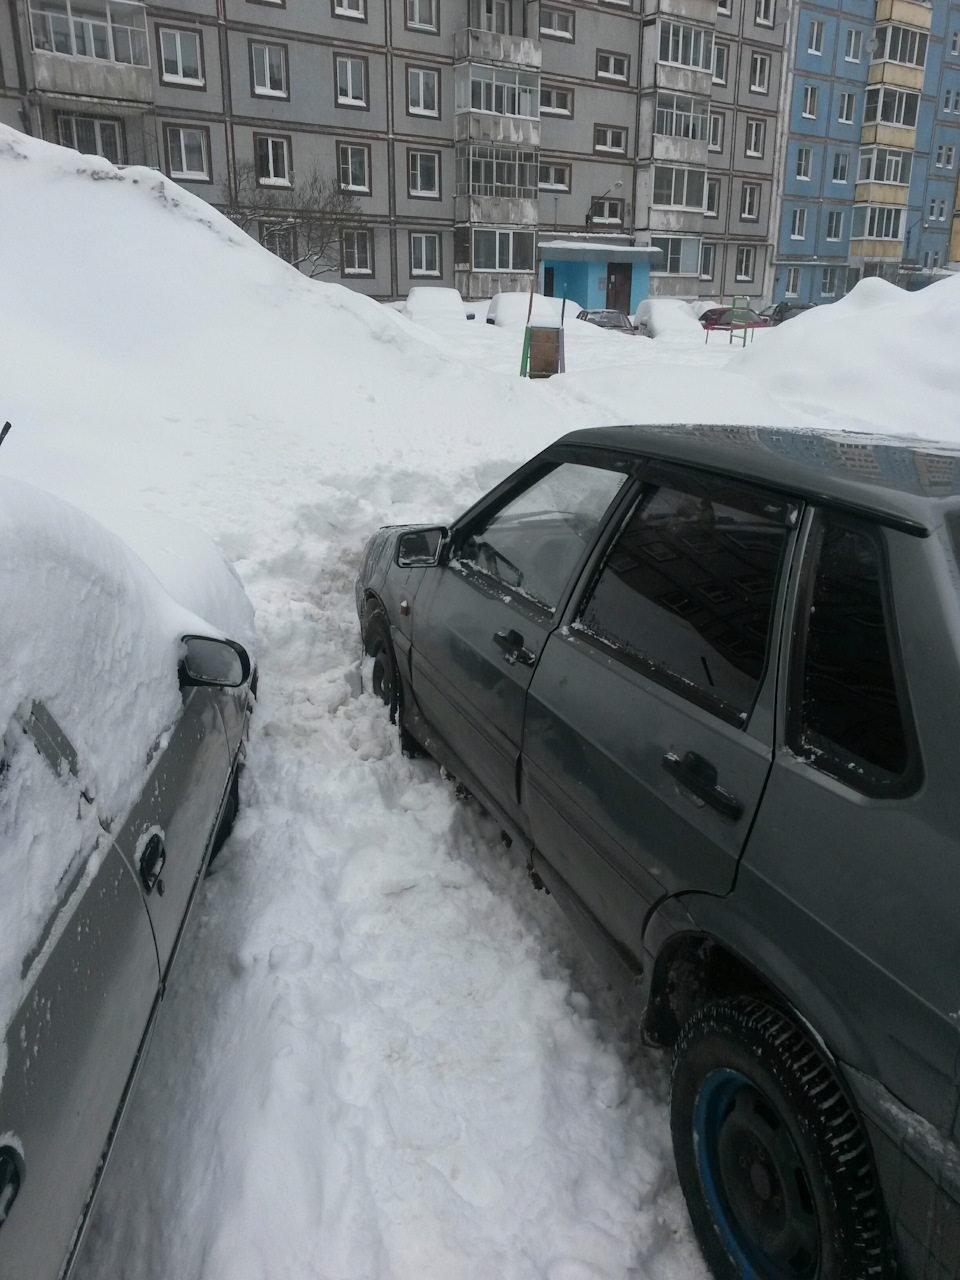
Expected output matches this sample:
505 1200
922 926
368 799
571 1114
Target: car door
165 836
648 734
481 619
78 984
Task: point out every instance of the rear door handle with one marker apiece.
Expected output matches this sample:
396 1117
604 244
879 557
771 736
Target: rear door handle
700 776
511 642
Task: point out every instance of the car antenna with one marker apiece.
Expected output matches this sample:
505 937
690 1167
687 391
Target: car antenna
3 431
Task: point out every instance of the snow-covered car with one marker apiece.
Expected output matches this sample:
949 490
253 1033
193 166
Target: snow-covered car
615 321
512 308
122 721
708 683
670 320
435 305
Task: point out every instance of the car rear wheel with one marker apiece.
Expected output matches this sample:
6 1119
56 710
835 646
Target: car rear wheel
386 680
771 1156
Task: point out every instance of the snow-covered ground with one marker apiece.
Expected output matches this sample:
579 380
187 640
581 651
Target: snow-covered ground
383 1055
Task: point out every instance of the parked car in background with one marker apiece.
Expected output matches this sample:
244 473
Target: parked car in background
707 680
614 320
122 721
513 307
669 320
729 317
785 310
435 305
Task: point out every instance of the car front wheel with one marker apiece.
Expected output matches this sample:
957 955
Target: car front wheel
772 1158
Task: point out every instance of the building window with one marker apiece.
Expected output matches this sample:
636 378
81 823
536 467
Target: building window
279 238
828 285
720 57
678 188
501 91
724 8
181 59
680 255
188 153
882 164
680 116
269 70
939 160
490 15
841 166
424 174
804 163
811 100
609 212
424 253
854 50
612 66
793 282
273 160
746 262
815 37
354 167
798 224
759 73
712 204
554 177
487 170
609 138
763 14
949 158
556 102
556 23
92 29
876 222
835 224
502 250
350 9
685 46
351 82
92 136
955 43
422 15
708 258
903 45
756 130
423 91
715 133
886 105
357 253
942 212
750 202
848 106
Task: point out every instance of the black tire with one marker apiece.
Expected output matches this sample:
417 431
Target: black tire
386 678
772 1158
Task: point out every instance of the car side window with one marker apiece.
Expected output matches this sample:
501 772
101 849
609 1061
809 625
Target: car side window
687 592
533 544
848 714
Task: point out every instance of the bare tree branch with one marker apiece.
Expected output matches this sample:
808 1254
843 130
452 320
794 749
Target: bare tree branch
301 223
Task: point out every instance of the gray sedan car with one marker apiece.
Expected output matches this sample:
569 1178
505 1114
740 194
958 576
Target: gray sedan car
122 721
708 681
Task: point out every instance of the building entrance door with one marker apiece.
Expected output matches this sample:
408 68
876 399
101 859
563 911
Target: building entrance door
619 280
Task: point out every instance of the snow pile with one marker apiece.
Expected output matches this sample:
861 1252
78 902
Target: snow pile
670 320
427 304
508 309
879 357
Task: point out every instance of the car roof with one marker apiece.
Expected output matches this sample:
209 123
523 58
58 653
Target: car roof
903 481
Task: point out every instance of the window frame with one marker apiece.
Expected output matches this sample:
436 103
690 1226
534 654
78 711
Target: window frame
815 34
721 53
835 219
705 35
338 9
822 761
421 113
764 13
811 102
553 32
512 232
838 157
612 75
757 126
368 167
351 104
287 141
848 98
794 292
424 274
353 272
804 153
854 43
181 82
98 122
557 111
604 148
750 197
711 183
255 92
424 195
798 222
204 131
716 127
764 61
708 249
432 28
742 275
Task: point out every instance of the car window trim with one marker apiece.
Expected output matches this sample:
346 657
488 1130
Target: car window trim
586 585
873 787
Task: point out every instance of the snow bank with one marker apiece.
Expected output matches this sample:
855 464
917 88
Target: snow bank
880 357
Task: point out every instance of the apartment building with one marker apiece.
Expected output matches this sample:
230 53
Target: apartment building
750 144
872 152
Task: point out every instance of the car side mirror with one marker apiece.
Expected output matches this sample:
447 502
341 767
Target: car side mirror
471 315
206 661
420 548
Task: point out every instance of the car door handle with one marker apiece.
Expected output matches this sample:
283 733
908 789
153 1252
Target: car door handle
700 776
151 864
511 642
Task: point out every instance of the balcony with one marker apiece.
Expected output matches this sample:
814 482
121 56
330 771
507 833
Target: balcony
100 50
472 45
497 104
